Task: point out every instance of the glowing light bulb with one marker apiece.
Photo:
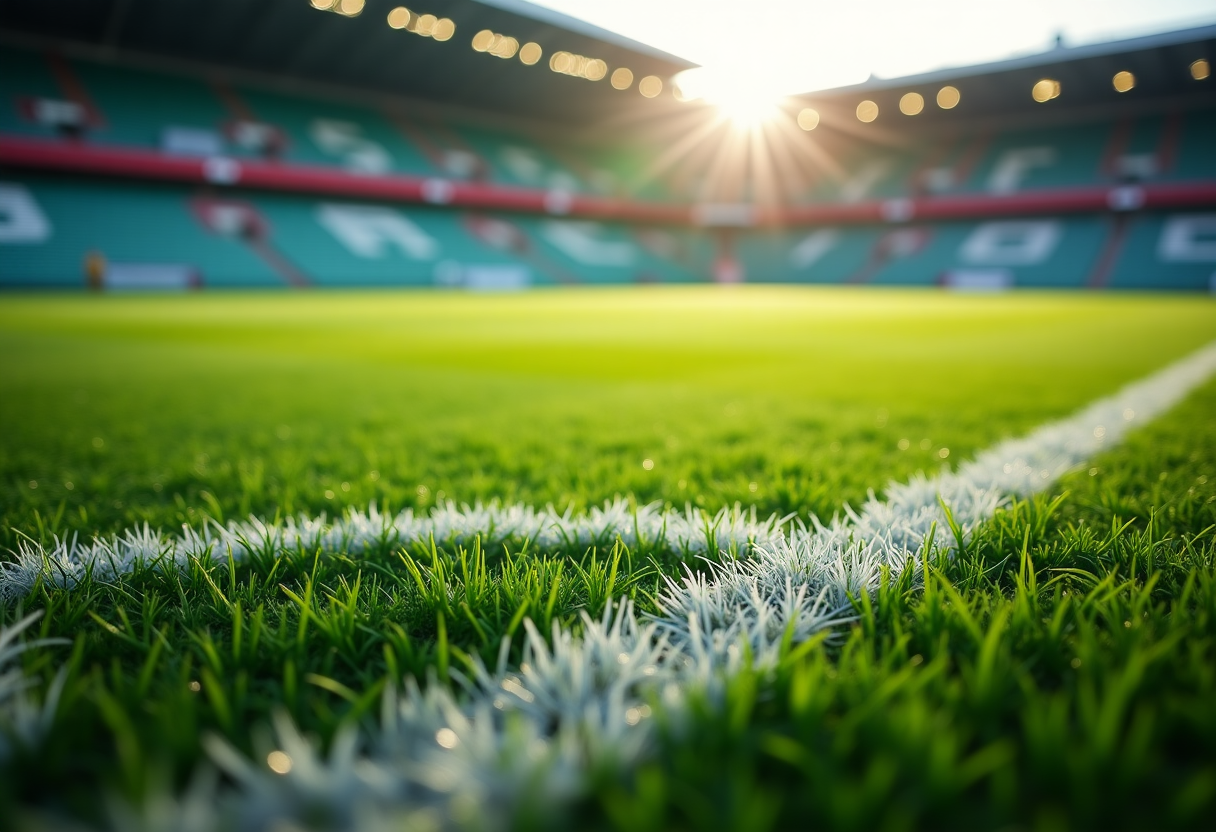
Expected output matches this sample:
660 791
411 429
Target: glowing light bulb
622 78
948 98
399 17
912 103
530 53
1045 90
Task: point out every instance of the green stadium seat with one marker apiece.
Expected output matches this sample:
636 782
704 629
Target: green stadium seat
128 223
25 75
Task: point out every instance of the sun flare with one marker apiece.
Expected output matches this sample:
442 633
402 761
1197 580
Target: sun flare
744 100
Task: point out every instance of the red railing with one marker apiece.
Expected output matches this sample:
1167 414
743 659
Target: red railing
84 158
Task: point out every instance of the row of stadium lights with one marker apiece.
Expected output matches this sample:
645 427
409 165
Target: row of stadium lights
594 69
565 63
500 46
1044 90
911 104
425 25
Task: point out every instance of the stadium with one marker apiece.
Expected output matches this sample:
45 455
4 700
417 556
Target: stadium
470 417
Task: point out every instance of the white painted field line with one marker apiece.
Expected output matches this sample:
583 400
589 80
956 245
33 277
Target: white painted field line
528 736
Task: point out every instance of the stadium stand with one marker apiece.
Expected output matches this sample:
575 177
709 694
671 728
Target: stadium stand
130 160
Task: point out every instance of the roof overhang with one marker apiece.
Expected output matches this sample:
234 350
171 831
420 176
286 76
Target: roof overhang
291 39
1160 64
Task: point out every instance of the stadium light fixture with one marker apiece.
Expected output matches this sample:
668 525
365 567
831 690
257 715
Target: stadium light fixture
483 40
425 25
346 8
399 17
530 53
650 86
500 46
948 97
578 66
911 103
1201 70
867 111
745 100
808 119
504 47
443 30
1045 90
1123 81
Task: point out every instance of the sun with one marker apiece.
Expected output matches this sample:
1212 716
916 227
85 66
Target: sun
744 99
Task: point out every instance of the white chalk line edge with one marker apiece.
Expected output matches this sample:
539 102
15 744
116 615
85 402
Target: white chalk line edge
510 737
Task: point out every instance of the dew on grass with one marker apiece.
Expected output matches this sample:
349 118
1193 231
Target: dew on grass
1076 663
925 444
648 464
1100 432
346 486
423 491
446 738
753 487
33 483
195 686
944 452
279 762
1093 472
329 495
904 444
1128 414
68 485
512 685
98 442
373 475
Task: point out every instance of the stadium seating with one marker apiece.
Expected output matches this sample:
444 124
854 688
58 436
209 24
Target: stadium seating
52 225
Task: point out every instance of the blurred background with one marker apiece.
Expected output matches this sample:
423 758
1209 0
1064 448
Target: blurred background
498 144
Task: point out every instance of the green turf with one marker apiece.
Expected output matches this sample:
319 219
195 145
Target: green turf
1058 674
164 408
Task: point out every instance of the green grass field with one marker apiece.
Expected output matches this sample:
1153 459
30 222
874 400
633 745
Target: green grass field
1058 672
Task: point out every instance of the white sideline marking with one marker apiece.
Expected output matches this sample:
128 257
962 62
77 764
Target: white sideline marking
577 703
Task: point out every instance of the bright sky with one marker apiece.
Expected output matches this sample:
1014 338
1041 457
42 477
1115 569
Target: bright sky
790 46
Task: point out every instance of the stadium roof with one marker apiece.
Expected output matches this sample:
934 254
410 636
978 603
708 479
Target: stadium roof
1160 67
293 38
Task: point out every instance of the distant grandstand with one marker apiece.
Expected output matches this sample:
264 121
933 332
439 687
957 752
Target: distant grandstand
495 145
